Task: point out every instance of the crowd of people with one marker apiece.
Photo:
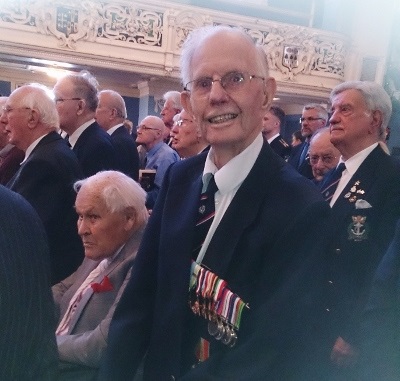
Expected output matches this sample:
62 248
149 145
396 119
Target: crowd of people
244 258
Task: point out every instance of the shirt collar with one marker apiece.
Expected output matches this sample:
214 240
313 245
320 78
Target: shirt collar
233 173
32 147
112 129
73 138
355 161
272 138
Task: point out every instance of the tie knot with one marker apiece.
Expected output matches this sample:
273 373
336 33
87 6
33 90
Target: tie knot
212 186
341 167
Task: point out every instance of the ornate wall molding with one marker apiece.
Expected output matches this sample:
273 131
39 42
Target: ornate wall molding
149 35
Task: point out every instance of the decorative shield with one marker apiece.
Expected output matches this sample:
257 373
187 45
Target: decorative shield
67 20
290 57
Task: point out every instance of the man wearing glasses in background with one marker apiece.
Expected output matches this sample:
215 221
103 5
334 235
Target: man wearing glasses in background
159 156
314 116
323 155
231 301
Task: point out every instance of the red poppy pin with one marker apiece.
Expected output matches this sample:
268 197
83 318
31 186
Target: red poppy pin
104 286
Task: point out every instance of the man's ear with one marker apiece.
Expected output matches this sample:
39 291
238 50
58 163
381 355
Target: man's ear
81 106
185 101
269 92
33 118
377 120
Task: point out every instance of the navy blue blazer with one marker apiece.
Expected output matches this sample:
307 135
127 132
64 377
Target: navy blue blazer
126 151
27 341
46 181
281 147
262 247
303 168
95 151
360 237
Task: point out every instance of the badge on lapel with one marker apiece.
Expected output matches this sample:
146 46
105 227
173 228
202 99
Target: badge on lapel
359 228
355 191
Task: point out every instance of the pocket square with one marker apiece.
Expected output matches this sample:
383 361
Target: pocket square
362 204
104 286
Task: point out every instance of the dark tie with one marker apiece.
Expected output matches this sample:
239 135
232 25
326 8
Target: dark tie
66 138
330 186
205 216
303 154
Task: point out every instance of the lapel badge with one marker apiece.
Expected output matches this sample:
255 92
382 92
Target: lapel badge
202 209
347 195
358 229
354 191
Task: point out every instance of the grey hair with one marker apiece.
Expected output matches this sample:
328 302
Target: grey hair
374 96
37 96
85 87
198 36
119 192
175 98
117 102
322 111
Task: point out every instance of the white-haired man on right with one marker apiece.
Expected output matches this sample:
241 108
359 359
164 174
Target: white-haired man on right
172 106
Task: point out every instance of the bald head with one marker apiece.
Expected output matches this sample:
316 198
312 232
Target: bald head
150 132
111 109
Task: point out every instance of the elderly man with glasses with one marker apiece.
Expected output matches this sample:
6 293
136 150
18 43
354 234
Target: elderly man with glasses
314 116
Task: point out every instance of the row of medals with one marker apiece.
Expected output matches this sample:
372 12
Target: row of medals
218 327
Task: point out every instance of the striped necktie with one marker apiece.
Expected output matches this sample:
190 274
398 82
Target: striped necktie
205 216
332 183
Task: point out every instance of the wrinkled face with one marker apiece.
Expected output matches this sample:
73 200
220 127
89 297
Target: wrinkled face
15 120
323 155
147 132
104 112
270 124
311 122
353 126
4 139
167 113
102 232
229 120
184 134
67 103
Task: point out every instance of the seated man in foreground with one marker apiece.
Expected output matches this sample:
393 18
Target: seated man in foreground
111 217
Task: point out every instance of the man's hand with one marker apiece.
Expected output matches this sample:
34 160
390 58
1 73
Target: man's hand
343 354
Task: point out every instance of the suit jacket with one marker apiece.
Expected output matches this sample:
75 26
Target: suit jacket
303 167
361 233
86 339
262 247
380 342
281 147
27 343
45 179
126 151
10 164
95 151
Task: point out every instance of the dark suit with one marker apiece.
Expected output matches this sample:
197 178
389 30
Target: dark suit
302 166
95 151
262 247
380 339
10 163
361 236
281 147
82 347
27 343
126 151
46 181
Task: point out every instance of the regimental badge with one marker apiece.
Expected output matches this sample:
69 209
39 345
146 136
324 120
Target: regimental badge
202 209
355 191
358 228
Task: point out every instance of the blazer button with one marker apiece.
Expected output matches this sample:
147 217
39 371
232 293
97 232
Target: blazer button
338 251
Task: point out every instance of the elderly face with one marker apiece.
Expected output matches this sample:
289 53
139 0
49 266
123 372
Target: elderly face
67 103
323 155
103 111
310 122
185 135
229 119
16 118
148 132
167 113
3 133
353 126
101 231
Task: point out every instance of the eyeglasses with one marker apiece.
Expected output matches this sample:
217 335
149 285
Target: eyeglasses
143 127
230 82
309 119
7 109
59 100
326 159
181 121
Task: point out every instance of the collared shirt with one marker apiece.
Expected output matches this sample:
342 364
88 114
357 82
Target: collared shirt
270 140
32 147
352 165
73 138
229 178
112 129
160 157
